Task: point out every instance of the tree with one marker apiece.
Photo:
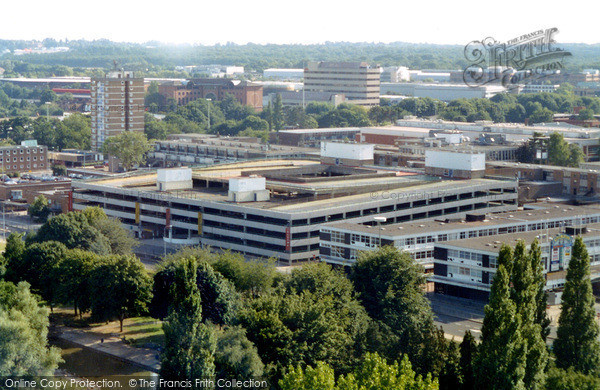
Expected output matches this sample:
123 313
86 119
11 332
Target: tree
24 347
539 283
500 362
59 170
571 380
129 146
524 294
48 96
577 344
73 229
75 132
39 209
236 356
468 351
278 120
14 248
373 373
389 284
120 288
74 279
586 115
541 115
190 344
220 301
450 377
558 150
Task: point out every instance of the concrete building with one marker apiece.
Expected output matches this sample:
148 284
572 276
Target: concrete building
357 81
302 196
539 88
312 138
283 74
394 74
203 149
587 138
117 106
444 92
23 158
455 164
466 267
183 92
342 242
302 98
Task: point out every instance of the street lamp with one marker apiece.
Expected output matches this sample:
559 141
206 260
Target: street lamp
209 102
379 220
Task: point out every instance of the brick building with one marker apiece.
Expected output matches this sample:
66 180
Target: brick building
246 93
117 106
23 159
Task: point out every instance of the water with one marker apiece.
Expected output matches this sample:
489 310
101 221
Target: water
87 363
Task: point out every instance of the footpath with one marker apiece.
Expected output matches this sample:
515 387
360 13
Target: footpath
145 358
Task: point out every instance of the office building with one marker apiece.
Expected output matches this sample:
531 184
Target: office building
357 81
342 242
466 267
23 158
117 106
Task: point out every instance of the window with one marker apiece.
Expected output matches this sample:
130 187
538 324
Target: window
337 236
337 251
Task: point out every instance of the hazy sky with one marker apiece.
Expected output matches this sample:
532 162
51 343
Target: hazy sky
300 21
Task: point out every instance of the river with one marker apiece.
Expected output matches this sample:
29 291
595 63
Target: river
87 363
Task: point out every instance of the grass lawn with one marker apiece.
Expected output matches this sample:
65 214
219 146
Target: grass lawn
137 331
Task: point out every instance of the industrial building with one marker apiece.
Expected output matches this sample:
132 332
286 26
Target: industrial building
342 242
357 81
117 106
279 206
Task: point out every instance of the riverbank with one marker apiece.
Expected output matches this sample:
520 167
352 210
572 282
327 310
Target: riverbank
145 358
106 339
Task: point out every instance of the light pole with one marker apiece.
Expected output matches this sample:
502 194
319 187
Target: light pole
379 220
208 109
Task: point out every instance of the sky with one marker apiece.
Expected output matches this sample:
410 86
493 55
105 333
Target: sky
306 21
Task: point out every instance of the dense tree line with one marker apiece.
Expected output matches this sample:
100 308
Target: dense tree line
316 327
157 59
74 132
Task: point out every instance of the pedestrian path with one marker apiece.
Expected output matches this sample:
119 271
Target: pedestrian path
145 358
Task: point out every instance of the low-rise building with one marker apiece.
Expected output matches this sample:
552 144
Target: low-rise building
302 196
21 159
466 267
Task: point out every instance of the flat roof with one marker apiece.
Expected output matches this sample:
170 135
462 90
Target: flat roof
507 164
298 195
549 211
494 243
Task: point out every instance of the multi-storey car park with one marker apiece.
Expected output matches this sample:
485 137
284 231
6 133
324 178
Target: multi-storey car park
341 242
466 268
280 216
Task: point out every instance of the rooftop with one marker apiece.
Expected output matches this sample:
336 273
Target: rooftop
549 211
493 244
298 185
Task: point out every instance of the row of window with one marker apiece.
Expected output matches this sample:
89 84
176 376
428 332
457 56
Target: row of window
21 151
454 271
21 159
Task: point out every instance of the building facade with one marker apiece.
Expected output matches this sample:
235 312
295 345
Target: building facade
248 94
23 159
342 242
466 268
304 196
357 81
117 106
